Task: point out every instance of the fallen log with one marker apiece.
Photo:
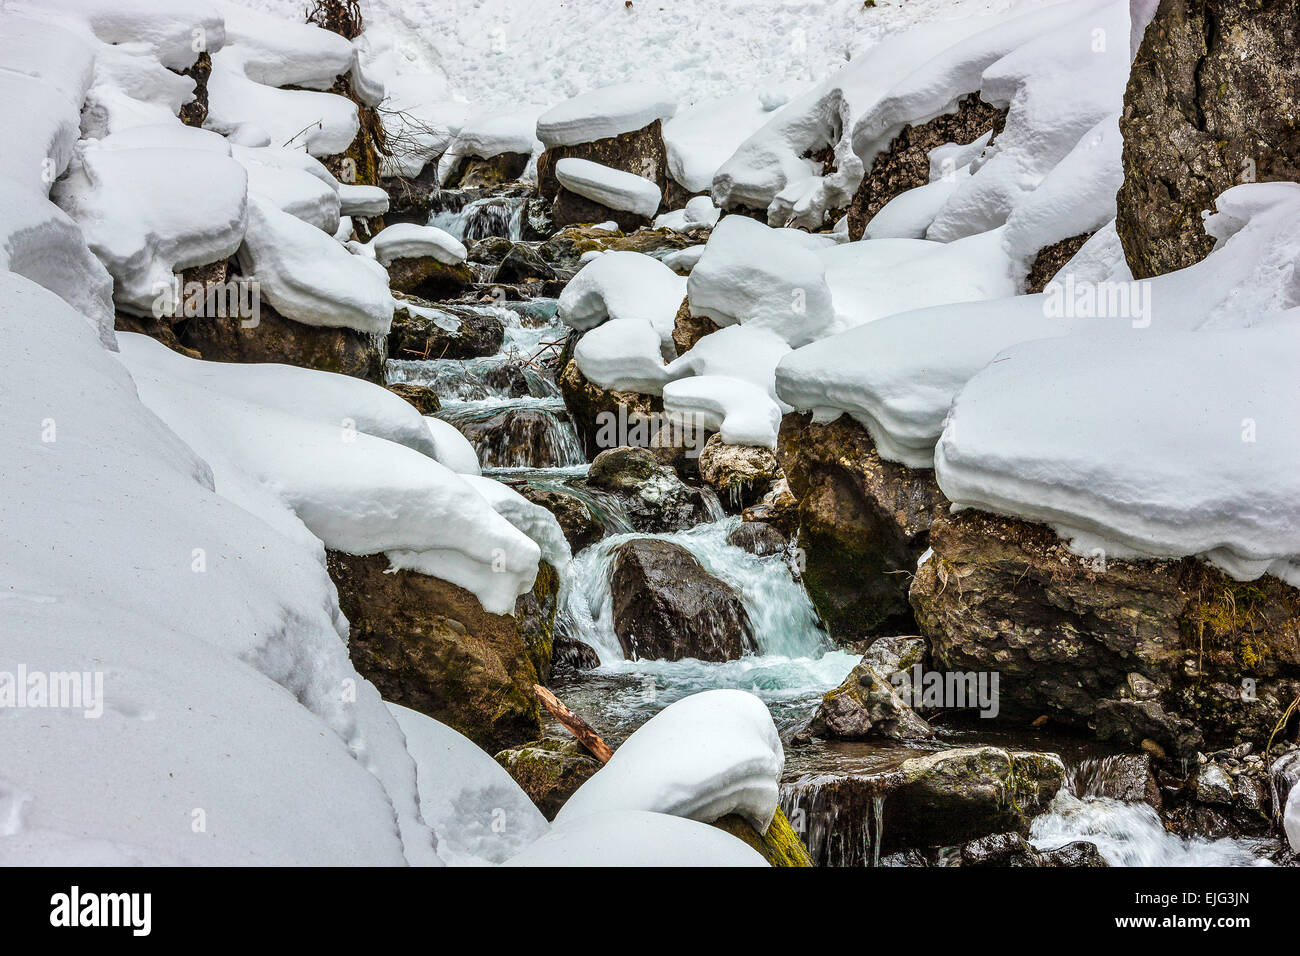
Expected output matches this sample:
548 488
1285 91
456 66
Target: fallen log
575 725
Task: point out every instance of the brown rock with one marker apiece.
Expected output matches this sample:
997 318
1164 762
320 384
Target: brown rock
689 329
549 770
424 398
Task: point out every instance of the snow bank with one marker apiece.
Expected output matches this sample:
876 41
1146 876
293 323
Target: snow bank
626 355
702 137
451 448
606 112
406 240
624 285
227 690
308 277
636 838
740 351
1119 437
899 374
740 410
702 757
490 134
359 493
765 278
476 809
609 187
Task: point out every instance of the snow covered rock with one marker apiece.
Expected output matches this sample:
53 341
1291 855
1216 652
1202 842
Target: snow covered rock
740 411
698 213
701 137
451 448
406 240
617 190
702 757
636 838
765 278
503 136
624 285
605 113
1291 819
624 356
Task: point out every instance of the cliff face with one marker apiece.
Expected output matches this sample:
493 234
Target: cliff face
1212 101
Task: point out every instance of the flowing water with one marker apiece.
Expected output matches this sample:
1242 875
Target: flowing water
489 216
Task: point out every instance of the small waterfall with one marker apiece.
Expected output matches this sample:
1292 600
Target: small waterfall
474 380
486 216
609 509
518 433
841 819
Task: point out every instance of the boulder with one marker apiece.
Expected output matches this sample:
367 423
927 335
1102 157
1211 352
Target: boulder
566 247
640 152
477 172
667 607
906 163
778 508
654 497
549 770
1211 102
863 524
689 329
424 398
523 264
429 278
592 406
740 474
780 845
571 209
1013 850
429 645
865 705
1168 655
758 538
930 799
456 332
581 527
277 339
518 437
1128 778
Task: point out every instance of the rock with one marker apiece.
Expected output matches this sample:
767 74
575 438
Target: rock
1013 850
490 250
580 526
549 770
592 407
428 278
428 645
863 524
566 247
740 474
667 607
653 495
476 172
896 655
424 398
1050 260
757 538
574 654
1125 777
509 379
523 264
906 163
1211 102
517 437
689 329
780 845
1213 785
1138 650
458 332
570 209
195 112
865 705
779 508
640 152
934 799
277 339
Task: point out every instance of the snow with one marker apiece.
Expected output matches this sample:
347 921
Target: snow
476 809
1219 482
490 134
636 838
532 519
219 640
625 285
764 278
909 214
451 448
626 356
357 492
740 351
700 138
698 212
609 187
308 277
1291 820
279 51
604 113
740 410
702 757
898 375
406 240
362 201
150 212
294 191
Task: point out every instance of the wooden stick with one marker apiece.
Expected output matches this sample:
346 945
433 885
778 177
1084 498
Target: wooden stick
574 725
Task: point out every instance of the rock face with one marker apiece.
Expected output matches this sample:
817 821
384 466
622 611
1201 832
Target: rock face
689 329
277 339
640 152
906 163
655 499
549 770
464 333
1211 102
1169 652
428 645
1229 793
863 523
865 705
944 798
591 406
667 607
740 474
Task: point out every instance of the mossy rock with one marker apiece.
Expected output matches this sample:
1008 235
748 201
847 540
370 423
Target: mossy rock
780 845
549 770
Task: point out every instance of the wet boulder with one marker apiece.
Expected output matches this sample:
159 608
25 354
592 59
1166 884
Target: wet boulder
523 264
1171 655
443 331
740 474
1013 850
422 397
866 705
863 523
595 409
549 770
581 527
429 277
780 845
655 498
519 437
758 539
667 607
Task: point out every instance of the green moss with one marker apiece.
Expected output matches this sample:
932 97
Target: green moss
780 846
